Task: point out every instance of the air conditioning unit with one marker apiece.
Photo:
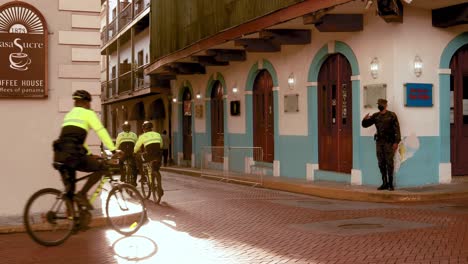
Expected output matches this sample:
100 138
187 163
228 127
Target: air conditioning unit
390 10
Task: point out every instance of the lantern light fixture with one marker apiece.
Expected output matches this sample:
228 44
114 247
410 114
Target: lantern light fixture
374 68
418 65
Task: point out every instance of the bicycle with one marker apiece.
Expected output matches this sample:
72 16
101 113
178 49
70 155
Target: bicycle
51 221
147 180
127 172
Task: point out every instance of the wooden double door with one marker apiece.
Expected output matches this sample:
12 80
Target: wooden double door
459 112
187 124
335 128
217 122
263 117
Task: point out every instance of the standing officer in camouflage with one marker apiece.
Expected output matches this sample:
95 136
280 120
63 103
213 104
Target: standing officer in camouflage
386 140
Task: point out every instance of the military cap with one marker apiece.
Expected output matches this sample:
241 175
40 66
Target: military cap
381 101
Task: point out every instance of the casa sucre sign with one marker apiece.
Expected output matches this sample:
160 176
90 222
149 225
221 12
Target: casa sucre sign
23 51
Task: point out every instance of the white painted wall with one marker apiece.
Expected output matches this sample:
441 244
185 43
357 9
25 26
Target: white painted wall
30 126
395 45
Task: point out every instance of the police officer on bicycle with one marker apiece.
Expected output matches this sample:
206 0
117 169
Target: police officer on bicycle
152 143
126 142
70 148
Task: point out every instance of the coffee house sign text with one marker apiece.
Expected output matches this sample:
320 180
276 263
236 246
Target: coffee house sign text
23 51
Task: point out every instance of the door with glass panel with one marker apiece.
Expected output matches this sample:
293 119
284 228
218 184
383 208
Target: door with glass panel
335 115
459 112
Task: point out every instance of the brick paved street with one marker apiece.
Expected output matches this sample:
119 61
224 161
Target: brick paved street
205 221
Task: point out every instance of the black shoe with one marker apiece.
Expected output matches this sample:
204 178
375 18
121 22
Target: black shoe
390 188
160 195
82 200
382 187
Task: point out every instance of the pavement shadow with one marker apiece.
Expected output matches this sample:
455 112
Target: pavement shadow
134 248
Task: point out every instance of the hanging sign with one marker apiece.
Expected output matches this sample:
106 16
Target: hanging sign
23 51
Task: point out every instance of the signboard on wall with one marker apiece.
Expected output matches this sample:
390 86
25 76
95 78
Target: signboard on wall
23 51
418 94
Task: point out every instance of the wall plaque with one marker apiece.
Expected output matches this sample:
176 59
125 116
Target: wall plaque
199 111
372 93
23 51
291 103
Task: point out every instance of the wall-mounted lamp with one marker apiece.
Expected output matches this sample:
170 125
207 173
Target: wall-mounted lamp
291 81
198 95
174 100
234 88
374 68
418 65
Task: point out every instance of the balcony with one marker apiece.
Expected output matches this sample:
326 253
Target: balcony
128 12
125 16
112 29
139 6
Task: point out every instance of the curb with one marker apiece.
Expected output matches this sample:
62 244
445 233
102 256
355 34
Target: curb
98 221
334 193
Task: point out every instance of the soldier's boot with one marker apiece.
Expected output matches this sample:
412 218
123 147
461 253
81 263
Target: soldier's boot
384 185
390 182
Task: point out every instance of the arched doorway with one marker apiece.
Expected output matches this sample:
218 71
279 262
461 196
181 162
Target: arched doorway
158 114
187 123
335 115
138 114
217 121
459 111
263 115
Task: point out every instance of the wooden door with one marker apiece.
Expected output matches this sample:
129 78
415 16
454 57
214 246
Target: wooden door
335 115
217 122
459 112
187 124
263 116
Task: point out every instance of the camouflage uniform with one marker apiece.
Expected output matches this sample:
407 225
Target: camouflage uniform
388 133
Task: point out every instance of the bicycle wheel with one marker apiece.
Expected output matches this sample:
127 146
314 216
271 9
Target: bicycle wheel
145 184
125 209
49 217
127 173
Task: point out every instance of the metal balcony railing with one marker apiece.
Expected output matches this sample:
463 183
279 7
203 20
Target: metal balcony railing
125 16
139 6
125 84
112 29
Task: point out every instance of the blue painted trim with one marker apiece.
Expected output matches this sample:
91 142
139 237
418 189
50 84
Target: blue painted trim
444 95
451 48
317 62
444 115
356 124
269 67
321 175
314 69
343 48
312 125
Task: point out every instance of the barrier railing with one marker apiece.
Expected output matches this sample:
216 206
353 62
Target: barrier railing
233 164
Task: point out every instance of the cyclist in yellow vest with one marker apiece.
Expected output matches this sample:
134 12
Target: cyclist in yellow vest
126 142
152 143
70 148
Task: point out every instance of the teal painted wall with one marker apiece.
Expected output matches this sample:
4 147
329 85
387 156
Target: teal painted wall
296 151
422 168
